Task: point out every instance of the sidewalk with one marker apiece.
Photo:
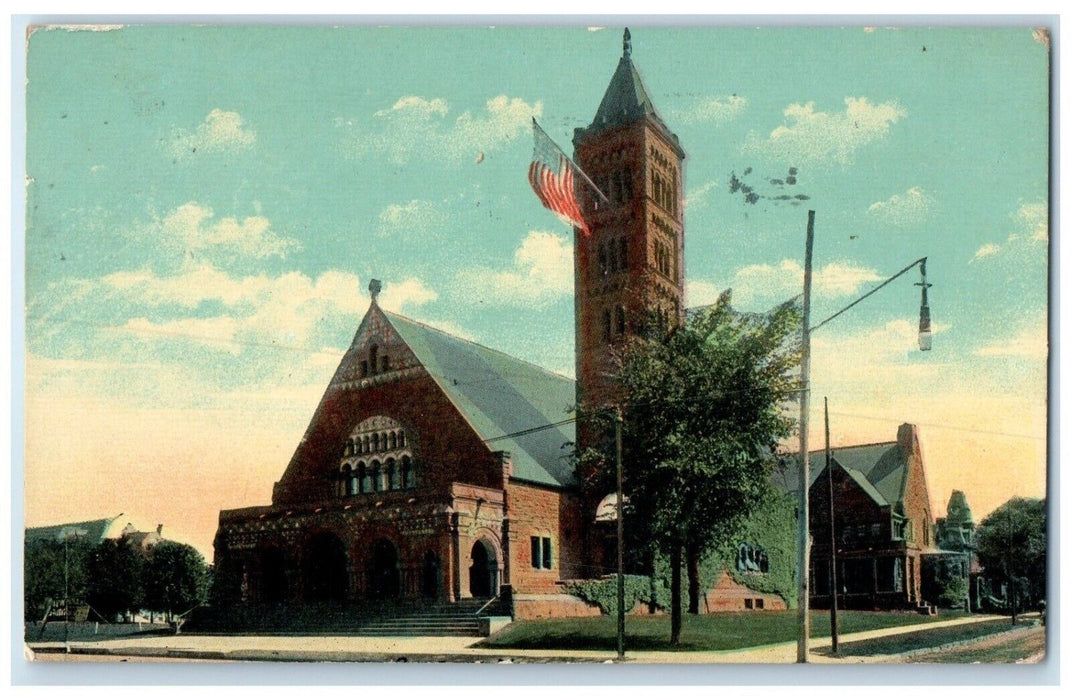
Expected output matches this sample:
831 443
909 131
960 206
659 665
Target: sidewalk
448 649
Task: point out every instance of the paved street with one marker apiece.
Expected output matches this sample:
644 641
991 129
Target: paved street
455 649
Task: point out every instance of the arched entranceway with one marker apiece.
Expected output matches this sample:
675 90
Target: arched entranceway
430 576
273 584
325 572
384 577
483 574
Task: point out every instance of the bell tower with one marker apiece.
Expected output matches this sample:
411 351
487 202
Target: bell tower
630 271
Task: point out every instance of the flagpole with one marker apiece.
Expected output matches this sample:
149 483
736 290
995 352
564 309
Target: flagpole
571 162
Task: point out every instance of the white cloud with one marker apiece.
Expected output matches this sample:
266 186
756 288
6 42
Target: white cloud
416 216
1029 235
416 124
220 131
985 251
824 137
720 109
701 293
417 106
409 292
542 273
190 229
764 284
905 209
1030 343
696 197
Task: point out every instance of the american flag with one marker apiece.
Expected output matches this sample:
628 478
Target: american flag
552 177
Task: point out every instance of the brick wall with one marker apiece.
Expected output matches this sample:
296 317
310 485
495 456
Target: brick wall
535 511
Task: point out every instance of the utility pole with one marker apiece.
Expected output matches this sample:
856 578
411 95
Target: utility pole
66 598
832 539
803 544
620 544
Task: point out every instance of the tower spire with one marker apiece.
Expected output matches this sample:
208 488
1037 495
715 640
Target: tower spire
626 44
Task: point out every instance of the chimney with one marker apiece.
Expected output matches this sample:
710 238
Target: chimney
160 529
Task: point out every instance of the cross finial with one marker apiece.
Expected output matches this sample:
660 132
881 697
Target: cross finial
374 288
626 48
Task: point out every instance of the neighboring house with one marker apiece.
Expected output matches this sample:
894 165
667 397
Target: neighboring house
93 531
956 554
882 519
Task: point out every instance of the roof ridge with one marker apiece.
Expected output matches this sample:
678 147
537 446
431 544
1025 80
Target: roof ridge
479 345
848 447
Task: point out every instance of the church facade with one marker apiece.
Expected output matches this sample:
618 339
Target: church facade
440 469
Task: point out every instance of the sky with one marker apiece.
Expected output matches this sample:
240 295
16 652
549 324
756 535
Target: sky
206 206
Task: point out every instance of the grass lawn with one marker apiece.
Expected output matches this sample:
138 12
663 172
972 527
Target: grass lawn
1004 649
698 633
923 639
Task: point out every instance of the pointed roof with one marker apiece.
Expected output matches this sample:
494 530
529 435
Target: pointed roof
500 395
625 101
879 469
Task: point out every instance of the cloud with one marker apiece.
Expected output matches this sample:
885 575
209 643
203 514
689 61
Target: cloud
542 273
1030 233
407 293
987 250
701 293
826 137
904 209
417 107
1030 343
416 216
717 110
418 125
767 284
220 131
698 196
191 230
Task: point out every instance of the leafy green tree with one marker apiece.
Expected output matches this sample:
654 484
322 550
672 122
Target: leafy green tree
1011 545
176 578
44 566
115 577
702 416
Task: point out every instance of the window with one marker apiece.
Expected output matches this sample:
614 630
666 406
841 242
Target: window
384 363
760 603
542 554
620 312
749 603
365 479
364 368
604 264
607 326
622 252
408 478
373 353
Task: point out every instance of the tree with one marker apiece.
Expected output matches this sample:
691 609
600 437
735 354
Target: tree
114 577
176 578
702 407
45 563
1011 545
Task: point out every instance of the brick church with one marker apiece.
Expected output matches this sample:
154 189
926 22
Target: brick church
436 468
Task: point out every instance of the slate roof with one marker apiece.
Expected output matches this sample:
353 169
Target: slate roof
92 530
880 469
625 102
501 395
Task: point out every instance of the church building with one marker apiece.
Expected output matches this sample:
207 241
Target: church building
436 468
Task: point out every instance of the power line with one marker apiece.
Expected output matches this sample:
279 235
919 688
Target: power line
944 426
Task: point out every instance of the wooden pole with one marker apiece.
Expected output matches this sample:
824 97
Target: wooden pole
803 543
832 539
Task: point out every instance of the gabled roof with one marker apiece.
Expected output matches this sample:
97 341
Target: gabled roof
501 395
880 469
91 530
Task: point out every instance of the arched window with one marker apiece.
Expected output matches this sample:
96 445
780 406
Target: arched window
377 483
408 476
620 313
365 480
384 363
367 444
375 442
393 440
393 476
373 362
347 479
401 438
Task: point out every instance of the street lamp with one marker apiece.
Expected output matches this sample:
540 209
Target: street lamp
803 543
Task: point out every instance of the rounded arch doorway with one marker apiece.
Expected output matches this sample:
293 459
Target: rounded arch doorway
326 568
483 574
383 570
